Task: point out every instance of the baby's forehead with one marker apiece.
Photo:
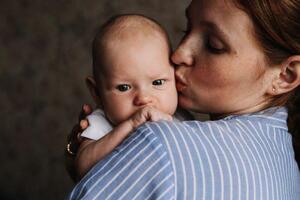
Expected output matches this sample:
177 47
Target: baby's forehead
127 26
134 33
127 30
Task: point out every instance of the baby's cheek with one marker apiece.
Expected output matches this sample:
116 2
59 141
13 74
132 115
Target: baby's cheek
120 113
170 102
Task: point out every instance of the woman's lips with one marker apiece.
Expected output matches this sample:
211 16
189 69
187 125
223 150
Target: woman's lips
180 85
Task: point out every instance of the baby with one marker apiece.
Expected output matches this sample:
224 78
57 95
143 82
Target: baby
133 82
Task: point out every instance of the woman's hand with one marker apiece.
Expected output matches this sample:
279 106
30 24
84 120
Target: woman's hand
74 138
148 113
74 141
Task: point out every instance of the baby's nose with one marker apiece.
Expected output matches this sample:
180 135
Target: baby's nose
143 100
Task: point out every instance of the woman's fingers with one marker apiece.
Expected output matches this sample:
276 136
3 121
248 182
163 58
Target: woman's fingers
83 124
86 110
74 138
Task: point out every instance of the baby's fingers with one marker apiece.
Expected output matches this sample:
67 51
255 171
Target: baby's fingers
157 115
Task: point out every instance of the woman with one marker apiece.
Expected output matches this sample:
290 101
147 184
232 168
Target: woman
239 61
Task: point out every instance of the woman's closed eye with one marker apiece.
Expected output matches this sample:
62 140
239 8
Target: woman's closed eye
214 45
123 87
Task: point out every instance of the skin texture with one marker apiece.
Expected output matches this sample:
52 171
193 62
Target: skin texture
221 69
145 74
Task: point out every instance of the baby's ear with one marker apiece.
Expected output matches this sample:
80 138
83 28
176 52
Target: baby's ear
92 86
289 77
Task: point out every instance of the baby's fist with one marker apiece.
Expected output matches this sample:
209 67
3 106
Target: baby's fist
148 113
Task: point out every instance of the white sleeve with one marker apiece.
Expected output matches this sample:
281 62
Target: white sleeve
98 127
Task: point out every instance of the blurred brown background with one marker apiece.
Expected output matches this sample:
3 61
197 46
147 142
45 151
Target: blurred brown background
44 58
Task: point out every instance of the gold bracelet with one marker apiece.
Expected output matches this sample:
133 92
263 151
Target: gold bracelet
69 149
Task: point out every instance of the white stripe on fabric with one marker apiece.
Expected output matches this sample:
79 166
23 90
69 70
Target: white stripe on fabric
142 175
268 159
272 118
275 169
227 162
181 160
207 155
150 180
276 151
284 161
132 170
200 163
218 161
152 192
280 139
251 153
191 161
271 163
249 162
108 162
171 156
257 145
240 158
162 194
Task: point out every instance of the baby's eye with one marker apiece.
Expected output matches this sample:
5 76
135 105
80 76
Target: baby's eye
123 87
158 82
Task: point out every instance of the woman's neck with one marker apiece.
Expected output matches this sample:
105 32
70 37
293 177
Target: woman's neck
248 110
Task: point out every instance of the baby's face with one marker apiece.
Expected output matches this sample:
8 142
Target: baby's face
138 73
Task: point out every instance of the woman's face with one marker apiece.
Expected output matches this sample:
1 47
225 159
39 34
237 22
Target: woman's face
221 68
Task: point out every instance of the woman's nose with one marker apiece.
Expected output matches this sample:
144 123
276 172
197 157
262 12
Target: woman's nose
183 55
143 99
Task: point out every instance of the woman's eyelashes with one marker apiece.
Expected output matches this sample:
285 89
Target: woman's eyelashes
214 45
211 42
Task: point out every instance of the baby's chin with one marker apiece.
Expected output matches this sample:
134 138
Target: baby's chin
118 120
112 121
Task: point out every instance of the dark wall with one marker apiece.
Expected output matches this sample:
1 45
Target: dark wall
44 58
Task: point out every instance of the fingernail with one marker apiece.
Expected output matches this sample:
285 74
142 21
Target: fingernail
83 123
84 107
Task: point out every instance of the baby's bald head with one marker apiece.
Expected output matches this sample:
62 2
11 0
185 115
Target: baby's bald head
122 28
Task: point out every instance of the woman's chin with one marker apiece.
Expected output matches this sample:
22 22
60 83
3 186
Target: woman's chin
184 102
188 104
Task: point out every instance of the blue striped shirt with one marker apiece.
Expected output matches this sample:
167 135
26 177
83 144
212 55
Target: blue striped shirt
239 157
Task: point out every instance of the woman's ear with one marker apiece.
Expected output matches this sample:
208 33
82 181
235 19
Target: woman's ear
92 86
289 76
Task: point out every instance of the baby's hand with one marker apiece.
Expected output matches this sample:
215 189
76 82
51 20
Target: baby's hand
148 113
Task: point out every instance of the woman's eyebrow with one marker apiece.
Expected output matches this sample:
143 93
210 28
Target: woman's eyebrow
211 25
214 28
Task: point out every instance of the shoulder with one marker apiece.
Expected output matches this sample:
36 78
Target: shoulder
266 122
